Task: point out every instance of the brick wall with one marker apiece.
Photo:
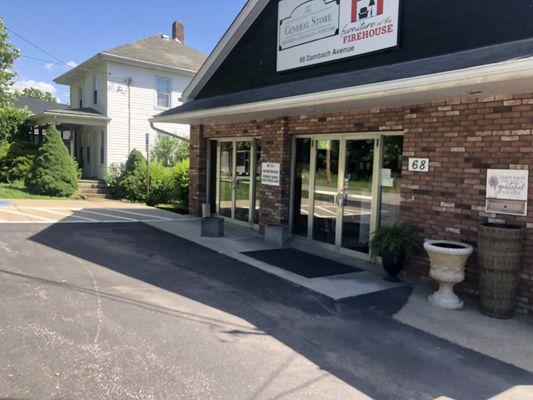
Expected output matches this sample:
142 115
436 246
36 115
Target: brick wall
462 139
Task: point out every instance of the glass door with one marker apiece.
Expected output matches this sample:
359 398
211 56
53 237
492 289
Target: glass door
237 196
357 190
243 181
336 194
325 193
225 186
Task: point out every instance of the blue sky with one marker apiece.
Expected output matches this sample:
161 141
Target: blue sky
75 30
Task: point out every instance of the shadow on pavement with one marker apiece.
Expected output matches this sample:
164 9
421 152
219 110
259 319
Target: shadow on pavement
372 352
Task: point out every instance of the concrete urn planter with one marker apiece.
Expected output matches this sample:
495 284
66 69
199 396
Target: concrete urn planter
448 260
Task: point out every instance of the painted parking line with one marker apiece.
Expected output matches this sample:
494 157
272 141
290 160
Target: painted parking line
141 214
110 215
65 214
69 215
26 215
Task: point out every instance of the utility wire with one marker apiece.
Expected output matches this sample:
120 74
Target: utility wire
36 46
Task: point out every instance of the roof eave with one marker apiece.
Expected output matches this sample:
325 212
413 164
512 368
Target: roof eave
70 76
148 64
407 88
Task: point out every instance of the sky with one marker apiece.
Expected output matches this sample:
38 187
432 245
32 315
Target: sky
75 30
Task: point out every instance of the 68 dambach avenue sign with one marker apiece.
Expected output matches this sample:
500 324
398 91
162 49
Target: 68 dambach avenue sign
316 31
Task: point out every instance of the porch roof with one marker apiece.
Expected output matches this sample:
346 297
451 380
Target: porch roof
71 116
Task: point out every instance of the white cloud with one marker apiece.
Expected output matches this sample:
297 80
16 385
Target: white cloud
49 66
47 87
72 64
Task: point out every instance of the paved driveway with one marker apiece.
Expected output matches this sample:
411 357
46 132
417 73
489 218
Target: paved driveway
124 311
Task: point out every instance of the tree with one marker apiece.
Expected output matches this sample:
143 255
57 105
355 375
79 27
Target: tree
13 123
39 94
53 172
169 150
8 54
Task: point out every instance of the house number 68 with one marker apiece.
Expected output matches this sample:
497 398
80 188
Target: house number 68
419 164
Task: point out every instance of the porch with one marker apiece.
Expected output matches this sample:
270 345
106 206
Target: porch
84 132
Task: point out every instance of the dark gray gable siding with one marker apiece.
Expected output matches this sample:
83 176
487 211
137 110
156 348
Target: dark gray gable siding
428 28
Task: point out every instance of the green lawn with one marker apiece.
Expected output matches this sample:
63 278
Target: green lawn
17 190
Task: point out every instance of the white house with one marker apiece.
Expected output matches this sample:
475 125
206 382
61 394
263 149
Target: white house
114 94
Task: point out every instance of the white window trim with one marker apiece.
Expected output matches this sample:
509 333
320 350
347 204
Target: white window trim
96 83
166 78
80 96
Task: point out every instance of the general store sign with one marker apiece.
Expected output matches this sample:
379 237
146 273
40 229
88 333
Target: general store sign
317 31
270 173
507 184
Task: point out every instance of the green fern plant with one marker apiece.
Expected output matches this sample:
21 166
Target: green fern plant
397 237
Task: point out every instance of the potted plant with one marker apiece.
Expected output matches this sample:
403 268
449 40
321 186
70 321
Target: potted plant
394 244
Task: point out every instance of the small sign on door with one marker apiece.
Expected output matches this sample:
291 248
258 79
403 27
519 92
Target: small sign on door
270 173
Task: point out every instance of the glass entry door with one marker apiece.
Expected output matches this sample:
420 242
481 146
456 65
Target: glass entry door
341 205
357 194
237 197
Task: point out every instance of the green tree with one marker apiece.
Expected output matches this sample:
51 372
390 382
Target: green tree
13 123
39 94
169 150
8 54
53 172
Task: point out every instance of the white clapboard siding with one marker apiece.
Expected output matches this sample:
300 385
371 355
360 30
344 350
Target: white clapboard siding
143 107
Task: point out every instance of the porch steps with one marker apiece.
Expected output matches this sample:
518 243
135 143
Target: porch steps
92 189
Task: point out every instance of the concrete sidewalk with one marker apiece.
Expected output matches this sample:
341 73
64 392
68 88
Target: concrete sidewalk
509 341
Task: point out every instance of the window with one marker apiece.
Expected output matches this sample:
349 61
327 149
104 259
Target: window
95 89
163 92
88 154
102 147
80 96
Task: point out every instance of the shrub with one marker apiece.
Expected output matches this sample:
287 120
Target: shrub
53 172
169 150
180 187
18 160
167 185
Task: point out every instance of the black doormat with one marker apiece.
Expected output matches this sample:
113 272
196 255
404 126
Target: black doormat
301 263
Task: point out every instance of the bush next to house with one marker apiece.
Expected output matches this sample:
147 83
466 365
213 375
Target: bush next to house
13 123
53 172
16 159
168 185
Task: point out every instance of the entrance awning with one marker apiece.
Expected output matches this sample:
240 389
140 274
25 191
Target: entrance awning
70 116
482 72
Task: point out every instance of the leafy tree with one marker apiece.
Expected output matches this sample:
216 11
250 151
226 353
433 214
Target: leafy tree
53 172
13 123
169 150
39 94
8 54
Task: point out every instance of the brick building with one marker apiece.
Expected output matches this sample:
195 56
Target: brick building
345 114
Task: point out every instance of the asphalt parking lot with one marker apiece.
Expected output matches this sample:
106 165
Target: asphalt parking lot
125 311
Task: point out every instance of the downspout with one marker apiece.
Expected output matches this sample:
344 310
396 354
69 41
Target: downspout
168 133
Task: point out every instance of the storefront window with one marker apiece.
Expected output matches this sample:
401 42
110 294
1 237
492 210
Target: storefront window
391 180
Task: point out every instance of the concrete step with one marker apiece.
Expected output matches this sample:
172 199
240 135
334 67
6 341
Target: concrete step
91 184
96 196
93 190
